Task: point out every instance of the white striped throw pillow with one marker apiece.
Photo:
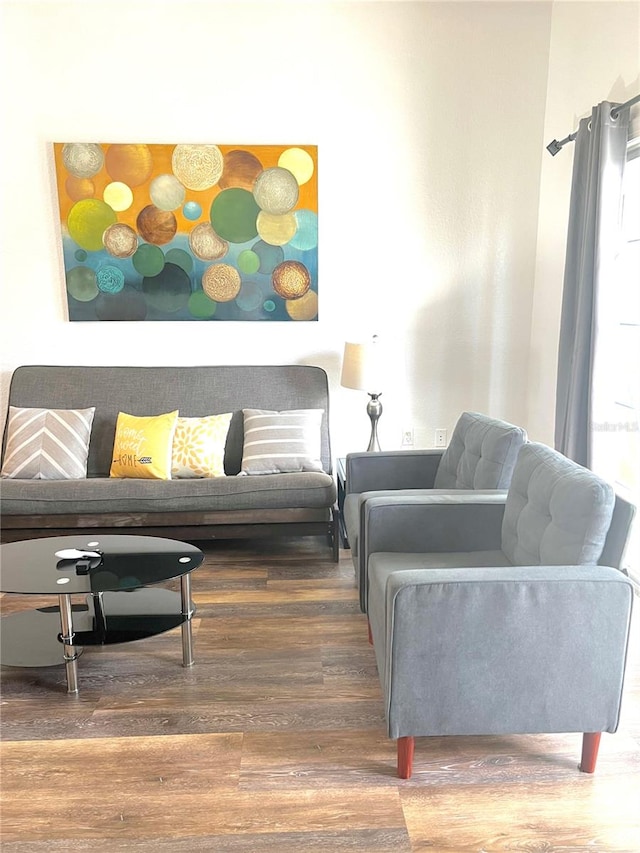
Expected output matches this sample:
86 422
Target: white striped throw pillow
282 442
47 444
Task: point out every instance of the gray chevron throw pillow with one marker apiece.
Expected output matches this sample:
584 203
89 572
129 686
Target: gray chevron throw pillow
47 444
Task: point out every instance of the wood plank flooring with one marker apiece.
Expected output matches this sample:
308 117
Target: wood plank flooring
275 740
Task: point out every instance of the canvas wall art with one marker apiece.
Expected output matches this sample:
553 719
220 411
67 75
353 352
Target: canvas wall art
189 232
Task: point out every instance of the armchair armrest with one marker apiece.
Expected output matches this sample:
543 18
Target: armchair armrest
439 520
519 649
464 520
393 469
355 501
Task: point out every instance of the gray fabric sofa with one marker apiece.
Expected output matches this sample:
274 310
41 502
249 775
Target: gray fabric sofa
299 503
479 461
502 619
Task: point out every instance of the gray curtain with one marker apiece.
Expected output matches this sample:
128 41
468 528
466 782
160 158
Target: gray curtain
594 217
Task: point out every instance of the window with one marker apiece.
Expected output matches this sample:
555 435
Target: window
616 441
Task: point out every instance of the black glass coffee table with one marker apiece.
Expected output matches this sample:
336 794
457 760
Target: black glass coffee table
113 574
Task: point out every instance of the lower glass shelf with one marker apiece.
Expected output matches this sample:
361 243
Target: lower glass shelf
30 638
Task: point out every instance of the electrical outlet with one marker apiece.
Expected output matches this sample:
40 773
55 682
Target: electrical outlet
441 438
407 437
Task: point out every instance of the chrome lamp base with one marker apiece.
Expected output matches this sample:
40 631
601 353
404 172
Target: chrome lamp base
374 410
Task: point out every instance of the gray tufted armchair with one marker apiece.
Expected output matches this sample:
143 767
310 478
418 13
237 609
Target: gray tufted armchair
480 458
502 619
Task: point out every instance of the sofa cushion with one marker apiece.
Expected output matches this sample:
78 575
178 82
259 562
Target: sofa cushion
481 455
557 512
47 444
281 442
198 446
142 446
108 494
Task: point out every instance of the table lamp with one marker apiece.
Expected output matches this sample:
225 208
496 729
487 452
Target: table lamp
362 370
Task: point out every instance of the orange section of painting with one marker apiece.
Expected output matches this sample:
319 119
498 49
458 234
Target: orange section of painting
138 165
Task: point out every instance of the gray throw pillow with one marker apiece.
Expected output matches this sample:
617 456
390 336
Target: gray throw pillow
47 444
281 442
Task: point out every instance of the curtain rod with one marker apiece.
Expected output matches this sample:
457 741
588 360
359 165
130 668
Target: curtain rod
617 110
554 146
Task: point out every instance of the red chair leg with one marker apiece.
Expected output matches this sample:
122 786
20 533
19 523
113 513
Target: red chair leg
590 745
370 634
405 756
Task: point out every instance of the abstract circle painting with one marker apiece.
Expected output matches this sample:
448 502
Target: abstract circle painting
188 232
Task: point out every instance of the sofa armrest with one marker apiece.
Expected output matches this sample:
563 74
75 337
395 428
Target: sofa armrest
464 520
393 469
521 649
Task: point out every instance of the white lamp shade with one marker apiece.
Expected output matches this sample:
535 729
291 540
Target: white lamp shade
363 367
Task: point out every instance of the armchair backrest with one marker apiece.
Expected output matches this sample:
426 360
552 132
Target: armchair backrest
482 454
557 512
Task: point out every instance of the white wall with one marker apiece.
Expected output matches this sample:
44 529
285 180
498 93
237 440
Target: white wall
429 119
594 56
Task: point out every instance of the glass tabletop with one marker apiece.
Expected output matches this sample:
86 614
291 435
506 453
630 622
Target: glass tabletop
121 563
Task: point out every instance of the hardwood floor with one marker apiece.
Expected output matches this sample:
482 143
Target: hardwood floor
275 740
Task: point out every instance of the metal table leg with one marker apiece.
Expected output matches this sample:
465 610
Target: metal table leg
69 650
188 611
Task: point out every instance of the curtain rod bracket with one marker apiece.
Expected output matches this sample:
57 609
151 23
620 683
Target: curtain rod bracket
554 146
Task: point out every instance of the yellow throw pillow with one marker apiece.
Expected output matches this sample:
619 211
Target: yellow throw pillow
142 446
198 446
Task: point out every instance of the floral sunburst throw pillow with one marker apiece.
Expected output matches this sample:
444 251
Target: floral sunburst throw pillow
198 447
